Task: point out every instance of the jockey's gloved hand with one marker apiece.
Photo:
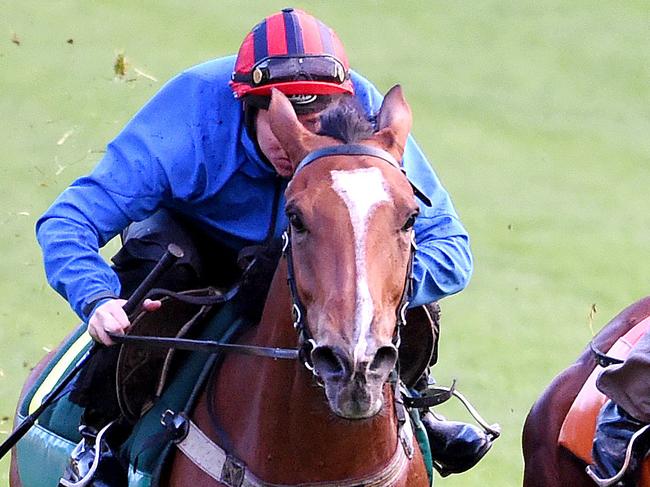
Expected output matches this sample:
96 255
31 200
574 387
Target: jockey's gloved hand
109 317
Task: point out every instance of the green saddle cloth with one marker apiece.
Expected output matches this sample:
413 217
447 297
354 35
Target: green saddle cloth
44 451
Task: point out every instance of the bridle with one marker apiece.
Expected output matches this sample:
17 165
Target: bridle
198 447
306 342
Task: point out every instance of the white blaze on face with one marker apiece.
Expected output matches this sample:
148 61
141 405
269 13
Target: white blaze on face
362 190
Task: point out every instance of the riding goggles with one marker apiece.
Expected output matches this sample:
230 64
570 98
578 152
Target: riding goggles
302 68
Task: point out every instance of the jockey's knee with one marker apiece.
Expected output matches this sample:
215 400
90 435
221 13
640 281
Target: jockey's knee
145 242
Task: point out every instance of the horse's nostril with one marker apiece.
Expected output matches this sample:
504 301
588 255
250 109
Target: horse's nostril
384 360
327 362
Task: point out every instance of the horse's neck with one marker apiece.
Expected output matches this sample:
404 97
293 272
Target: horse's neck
277 417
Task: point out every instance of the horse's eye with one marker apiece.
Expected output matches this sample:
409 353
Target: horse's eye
297 223
409 223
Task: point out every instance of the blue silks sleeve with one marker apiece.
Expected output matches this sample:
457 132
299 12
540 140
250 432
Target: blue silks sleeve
159 159
443 262
128 184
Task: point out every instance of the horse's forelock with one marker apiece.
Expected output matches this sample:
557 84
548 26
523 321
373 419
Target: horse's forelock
346 121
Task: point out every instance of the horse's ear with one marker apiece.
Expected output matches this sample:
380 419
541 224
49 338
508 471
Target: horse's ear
294 138
394 122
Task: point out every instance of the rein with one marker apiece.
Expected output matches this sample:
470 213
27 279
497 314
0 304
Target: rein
209 346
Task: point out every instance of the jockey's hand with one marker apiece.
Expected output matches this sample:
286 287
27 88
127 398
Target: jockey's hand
110 317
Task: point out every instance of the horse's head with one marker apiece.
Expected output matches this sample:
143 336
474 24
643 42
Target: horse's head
351 220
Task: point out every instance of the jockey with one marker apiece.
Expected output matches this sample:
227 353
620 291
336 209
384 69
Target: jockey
201 167
622 437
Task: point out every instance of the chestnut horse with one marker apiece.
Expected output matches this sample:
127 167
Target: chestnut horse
350 223
547 464
348 262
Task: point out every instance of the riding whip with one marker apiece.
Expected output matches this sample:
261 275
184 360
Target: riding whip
169 258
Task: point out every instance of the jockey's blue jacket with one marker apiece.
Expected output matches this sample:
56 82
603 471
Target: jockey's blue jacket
187 150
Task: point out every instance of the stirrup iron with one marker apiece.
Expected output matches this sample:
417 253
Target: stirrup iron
629 452
88 478
440 394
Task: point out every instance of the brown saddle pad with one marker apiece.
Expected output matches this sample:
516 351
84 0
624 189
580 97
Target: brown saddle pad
143 372
579 426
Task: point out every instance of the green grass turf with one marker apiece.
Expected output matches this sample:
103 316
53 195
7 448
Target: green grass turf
534 114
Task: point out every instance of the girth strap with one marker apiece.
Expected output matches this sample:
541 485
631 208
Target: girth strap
224 468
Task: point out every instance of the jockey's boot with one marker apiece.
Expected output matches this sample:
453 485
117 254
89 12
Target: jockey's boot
93 463
620 443
455 446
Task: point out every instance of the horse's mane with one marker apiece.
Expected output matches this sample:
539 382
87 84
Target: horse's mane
346 121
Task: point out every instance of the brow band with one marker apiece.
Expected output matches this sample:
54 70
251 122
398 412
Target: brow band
360 150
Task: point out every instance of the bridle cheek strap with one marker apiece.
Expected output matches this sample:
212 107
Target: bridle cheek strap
299 313
306 343
407 294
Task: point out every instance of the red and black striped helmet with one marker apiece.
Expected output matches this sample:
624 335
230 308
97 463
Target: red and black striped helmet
293 52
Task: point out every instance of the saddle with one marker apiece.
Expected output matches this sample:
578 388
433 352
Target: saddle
579 426
142 372
44 451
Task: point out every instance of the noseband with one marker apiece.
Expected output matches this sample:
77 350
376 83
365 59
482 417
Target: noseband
306 342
